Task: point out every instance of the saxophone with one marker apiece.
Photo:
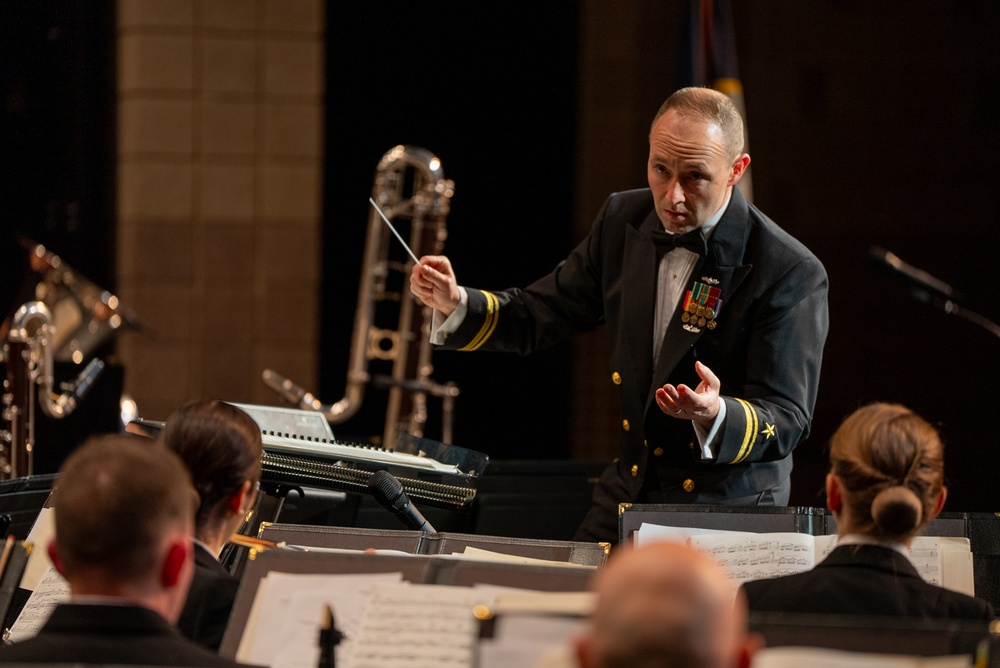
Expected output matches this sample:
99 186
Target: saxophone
390 326
29 363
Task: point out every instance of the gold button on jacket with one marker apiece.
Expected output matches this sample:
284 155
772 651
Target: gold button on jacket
625 425
635 470
688 485
616 378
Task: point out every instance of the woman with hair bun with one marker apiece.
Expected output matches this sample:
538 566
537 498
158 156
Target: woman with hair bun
221 447
886 482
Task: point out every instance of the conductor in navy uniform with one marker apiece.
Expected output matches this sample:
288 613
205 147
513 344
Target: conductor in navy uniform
716 319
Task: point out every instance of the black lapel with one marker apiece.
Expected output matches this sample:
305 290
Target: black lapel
639 298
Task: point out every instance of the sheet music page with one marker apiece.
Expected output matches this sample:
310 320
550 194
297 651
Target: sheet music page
752 556
487 555
796 657
521 641
823 546
957 565
574 603
925 554
51 590
653 533
41 534
945 561
344 550
289 611
418 626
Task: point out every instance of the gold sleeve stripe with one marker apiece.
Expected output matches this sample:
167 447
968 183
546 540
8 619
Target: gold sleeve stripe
490 324
750 434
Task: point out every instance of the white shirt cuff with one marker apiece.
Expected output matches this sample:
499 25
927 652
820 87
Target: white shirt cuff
706 437
441 327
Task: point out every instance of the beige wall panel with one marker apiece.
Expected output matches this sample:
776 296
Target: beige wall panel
155 63
291 191
293 68
293 16
227 128
227 191
155 126
227 14
148 189
155 13
228 65
219 177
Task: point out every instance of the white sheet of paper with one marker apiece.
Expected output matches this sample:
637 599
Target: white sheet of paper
944 561
521 641
289 610
955 554
652 533
488 555
796 657
51 590
750 556
41 534
418 626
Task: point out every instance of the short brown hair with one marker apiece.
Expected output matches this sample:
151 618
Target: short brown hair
709 105
221 447
115 499
891 463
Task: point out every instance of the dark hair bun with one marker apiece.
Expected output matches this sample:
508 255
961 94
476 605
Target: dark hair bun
896 511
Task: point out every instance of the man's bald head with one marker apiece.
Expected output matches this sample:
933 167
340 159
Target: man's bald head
661 606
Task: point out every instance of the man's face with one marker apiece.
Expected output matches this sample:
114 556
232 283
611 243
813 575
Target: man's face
689 170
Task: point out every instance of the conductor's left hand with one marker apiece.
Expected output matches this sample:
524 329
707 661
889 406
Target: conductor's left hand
699 405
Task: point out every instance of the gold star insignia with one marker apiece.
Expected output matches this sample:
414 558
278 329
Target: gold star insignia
768 431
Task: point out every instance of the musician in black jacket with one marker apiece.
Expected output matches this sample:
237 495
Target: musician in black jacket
886 482
221 447
124 511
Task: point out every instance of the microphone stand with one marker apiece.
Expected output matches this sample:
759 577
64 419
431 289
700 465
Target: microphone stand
931 290
951 308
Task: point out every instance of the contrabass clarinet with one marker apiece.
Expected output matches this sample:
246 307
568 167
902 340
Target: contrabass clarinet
390 326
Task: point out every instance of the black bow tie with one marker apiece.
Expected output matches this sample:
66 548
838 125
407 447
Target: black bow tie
665 242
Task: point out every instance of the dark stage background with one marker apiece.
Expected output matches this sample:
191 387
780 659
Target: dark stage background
868 124
493 94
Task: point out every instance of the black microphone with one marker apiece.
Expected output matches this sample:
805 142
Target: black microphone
919 276
388 491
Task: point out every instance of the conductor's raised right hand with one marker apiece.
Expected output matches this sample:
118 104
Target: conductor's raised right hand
433 282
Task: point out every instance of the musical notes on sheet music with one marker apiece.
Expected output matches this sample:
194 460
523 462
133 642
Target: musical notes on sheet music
745 556
418 625
943 561
926 557
50 591
284 626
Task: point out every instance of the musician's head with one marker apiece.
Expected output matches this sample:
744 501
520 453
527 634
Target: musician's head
886 473
665 606
221 447
124 511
